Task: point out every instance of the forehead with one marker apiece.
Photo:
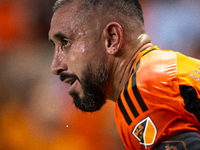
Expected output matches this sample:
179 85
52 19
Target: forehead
64 19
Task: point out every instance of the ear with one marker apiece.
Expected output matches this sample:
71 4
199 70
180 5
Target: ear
113 33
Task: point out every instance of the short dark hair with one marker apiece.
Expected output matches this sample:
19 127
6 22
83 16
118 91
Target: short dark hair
125 7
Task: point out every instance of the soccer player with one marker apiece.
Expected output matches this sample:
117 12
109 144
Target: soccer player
104 52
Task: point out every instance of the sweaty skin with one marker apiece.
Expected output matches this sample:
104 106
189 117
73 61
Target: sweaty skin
91 42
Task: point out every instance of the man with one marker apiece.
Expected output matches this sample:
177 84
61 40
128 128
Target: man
103 51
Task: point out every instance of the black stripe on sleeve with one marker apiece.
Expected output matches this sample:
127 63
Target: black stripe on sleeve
123 110
128 99
129 102
136 92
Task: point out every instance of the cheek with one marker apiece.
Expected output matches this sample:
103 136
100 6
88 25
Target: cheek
77 62
82 48
81 54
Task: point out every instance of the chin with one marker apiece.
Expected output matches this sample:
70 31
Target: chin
88 103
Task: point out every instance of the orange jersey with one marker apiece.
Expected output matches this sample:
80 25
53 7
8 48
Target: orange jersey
159 99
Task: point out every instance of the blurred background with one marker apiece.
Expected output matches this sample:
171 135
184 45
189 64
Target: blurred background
36 112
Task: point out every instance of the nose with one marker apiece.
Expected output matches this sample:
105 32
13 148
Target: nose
58 64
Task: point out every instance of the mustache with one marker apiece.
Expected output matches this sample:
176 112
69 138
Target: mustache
64 76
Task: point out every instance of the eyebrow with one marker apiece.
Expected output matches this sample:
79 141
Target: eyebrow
58 35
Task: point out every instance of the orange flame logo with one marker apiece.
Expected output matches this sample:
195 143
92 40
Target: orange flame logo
145 131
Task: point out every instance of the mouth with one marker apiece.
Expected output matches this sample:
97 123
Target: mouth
68 78
70 81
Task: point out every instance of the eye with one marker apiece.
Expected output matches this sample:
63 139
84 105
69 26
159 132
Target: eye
65 43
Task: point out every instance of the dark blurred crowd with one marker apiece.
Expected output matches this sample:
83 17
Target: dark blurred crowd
36 112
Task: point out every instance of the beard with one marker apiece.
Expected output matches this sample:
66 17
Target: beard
92 83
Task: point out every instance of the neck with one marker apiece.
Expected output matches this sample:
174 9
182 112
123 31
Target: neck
123 65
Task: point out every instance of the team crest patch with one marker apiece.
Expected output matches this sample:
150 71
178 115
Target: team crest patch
145 131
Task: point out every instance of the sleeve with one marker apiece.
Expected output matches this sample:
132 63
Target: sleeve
189 83
151 108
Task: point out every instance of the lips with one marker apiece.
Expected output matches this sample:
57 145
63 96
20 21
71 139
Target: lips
68 78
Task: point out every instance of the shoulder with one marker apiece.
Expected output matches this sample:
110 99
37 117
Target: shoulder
156 66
